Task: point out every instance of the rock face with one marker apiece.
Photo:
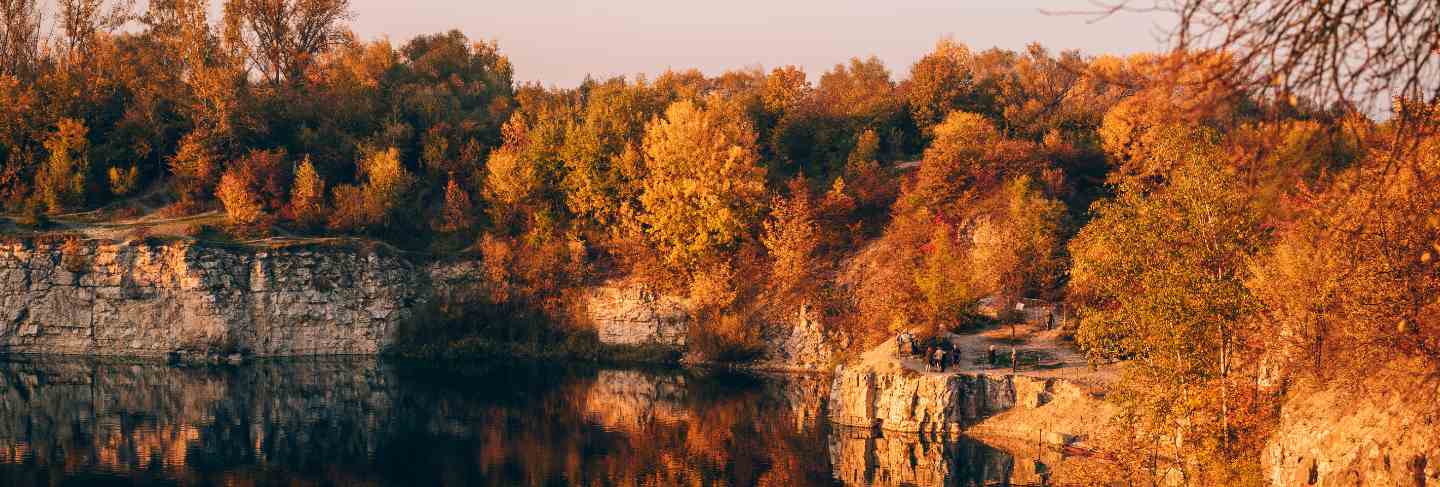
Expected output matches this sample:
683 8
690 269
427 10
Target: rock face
630 314
909 401
1386 436
132 298
905 400
802 345
633 315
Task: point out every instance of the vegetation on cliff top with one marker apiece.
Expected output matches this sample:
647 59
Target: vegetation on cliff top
1220 224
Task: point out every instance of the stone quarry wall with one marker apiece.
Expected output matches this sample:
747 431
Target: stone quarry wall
136 298
161 298
629 314
908 401
1383 432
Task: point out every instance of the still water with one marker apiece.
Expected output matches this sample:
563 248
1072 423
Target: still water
363 421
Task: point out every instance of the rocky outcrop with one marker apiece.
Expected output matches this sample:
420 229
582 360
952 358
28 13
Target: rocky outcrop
898 399
137 298
633 315
1381 433
799 345
905 400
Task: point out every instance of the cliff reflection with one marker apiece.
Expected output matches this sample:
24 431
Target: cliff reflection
362 421
367 422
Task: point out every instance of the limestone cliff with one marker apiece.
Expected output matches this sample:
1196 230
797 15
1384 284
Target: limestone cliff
1045 409
625 313
905 400
1383 432
137 298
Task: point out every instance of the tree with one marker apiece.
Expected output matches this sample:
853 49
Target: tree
944 279
123 181
967 159
283 38
1353 53
376 201
236 192
386 184
194 169
253 188
602 174
65 176
940 82
1350 284
703 183
307 196
1017 242
19 37
793 239
455 215
1159 277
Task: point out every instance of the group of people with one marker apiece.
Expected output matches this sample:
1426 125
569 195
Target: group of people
939 354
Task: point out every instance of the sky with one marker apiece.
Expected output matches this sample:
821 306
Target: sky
558 42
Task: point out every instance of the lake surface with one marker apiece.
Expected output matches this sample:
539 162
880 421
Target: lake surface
363 421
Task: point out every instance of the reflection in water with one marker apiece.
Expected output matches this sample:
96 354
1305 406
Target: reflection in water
362 421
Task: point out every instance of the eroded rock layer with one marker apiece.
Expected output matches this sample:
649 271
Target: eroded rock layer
135 298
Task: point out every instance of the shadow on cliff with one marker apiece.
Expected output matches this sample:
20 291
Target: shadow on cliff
484 329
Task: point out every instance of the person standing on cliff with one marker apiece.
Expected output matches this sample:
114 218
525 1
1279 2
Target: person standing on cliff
1014 359
990 356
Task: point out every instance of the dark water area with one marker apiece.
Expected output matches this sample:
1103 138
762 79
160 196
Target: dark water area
366 421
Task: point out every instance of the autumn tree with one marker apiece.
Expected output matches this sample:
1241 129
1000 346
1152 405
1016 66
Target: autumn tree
946 279
793 239
378 199
307 196
703 186
1017 242
455 213
1350 284
1159 277
194 169
236 192
284 38
253 189
941 82
63 180
20 37
602 170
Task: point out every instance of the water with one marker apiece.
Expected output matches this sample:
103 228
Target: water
362 421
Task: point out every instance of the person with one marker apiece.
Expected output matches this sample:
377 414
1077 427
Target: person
900 344
929 360
990 355
1050 323
940 359
1014 359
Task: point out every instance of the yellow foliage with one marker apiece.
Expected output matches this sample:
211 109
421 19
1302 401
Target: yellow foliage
703 186
242 205
307 195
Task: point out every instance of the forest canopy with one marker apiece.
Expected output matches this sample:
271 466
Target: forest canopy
1223 238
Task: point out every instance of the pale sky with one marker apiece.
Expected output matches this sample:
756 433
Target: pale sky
558 42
